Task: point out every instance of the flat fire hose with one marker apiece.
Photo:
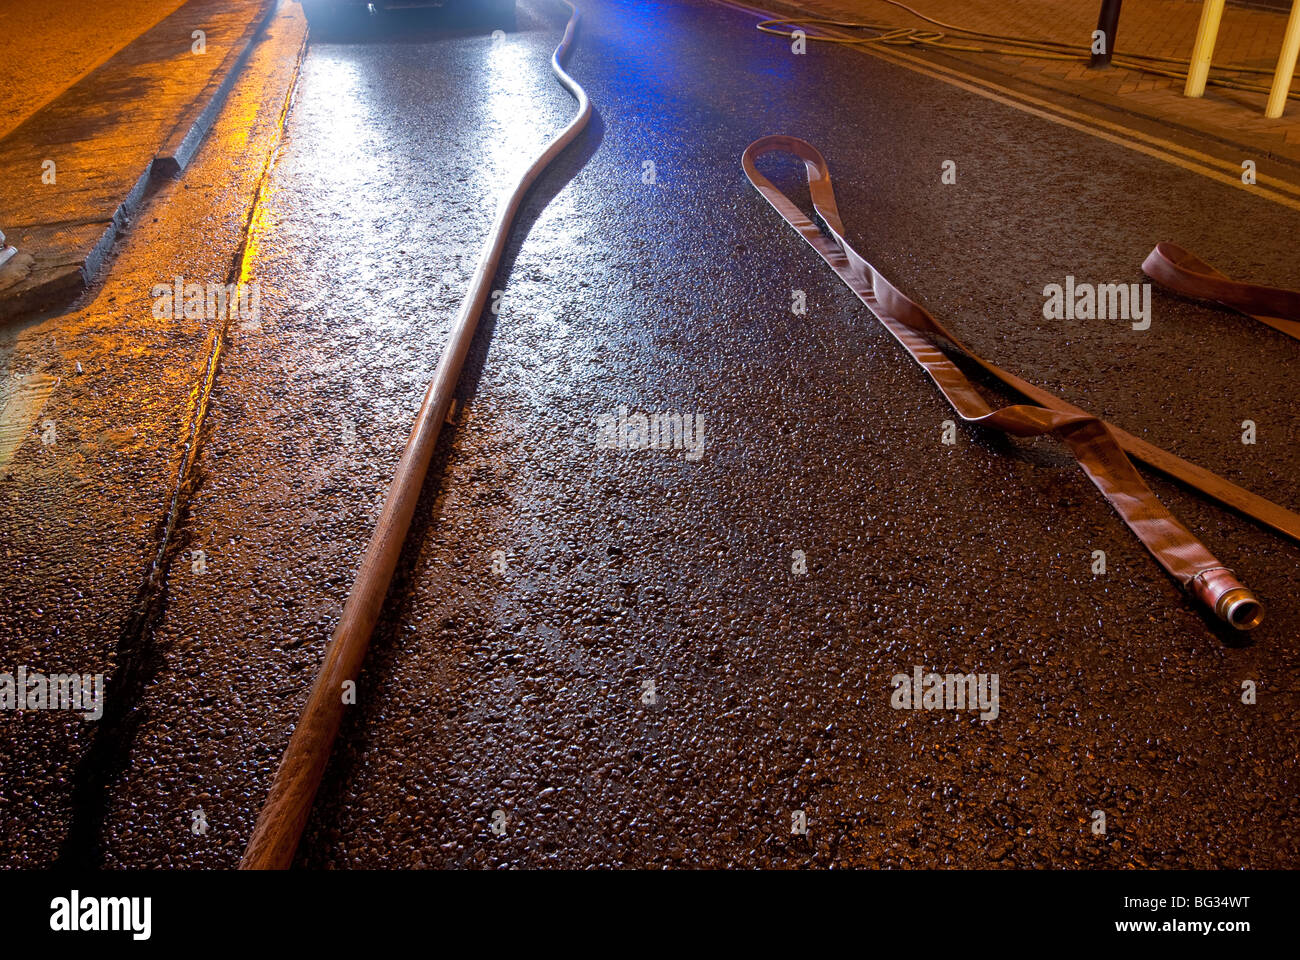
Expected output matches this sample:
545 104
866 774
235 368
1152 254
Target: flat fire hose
1185 273
288 805
1098 447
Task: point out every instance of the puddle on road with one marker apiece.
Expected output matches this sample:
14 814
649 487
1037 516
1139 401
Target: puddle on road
22 399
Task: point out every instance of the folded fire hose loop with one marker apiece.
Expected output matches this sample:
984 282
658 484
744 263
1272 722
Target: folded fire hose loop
1090 439
1185 273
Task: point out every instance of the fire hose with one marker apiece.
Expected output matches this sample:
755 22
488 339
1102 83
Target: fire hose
1184 272
1100 449
284 814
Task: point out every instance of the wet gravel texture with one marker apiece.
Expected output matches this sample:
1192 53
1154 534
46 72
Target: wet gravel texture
610 647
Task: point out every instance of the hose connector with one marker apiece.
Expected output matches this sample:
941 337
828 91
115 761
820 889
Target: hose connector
1220 590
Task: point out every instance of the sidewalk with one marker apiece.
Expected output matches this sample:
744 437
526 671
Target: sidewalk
1248 36
72 174
48 45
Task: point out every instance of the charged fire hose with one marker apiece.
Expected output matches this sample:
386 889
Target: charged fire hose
284 814
1098 447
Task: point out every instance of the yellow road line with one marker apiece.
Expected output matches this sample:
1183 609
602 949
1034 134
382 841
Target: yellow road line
1215 168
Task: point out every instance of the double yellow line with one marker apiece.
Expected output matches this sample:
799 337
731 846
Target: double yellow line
1223 171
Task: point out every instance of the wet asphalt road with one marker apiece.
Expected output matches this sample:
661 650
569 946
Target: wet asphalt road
610 647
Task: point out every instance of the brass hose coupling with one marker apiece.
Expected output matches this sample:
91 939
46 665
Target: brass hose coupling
1220 590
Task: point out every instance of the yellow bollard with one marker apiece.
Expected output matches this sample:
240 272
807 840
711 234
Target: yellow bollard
1285 65
1203 51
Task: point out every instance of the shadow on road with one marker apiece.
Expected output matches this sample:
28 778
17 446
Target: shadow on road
317 849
